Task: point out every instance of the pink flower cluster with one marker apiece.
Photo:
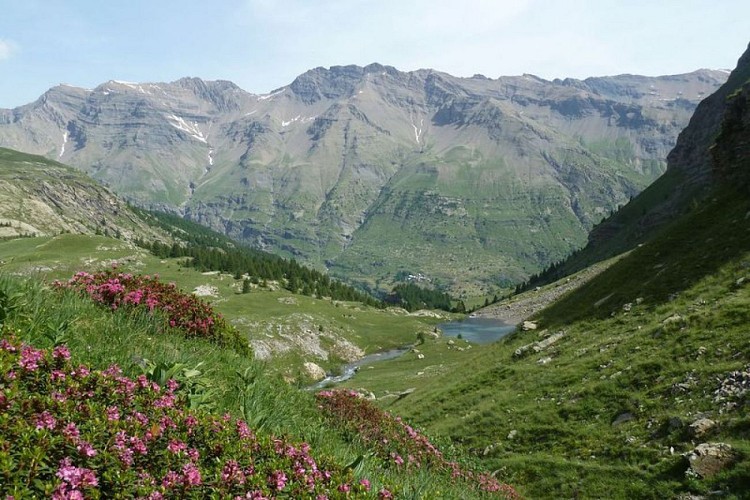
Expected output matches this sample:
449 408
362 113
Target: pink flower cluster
395 442
85 433
184 311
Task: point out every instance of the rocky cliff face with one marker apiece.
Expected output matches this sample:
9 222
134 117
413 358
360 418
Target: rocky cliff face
374 172
695 164
730 154
42 197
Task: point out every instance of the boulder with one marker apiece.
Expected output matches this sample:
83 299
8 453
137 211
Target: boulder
543 344
675 318
701 427
313 371
528 325
708 459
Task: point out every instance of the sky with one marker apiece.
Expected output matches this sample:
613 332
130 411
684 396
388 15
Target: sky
264 44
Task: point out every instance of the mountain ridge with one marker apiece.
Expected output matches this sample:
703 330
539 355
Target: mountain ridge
321 168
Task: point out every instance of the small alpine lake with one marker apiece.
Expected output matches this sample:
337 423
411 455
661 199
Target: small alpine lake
477 330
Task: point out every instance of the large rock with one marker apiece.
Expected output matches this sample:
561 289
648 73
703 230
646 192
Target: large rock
701 427
539 346
708 459
313 371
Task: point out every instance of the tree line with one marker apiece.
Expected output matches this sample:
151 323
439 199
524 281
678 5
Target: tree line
207 250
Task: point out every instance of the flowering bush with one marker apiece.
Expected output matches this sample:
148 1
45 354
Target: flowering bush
394 442
184 311
67 431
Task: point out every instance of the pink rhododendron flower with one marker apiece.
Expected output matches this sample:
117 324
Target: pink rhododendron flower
191 475
76 477
61 352
85 449
45 420
113 413
30 358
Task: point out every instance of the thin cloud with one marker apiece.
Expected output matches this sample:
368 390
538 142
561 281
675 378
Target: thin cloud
7 49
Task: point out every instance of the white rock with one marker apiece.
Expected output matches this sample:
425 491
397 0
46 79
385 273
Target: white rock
314 371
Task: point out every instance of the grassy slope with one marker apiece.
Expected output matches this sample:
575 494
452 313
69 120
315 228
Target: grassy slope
262 314
41 196
459 211
609 362
231 383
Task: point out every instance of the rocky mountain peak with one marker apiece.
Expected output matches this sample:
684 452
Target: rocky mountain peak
326 167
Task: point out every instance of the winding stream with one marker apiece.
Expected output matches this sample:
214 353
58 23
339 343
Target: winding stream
475 330
349 369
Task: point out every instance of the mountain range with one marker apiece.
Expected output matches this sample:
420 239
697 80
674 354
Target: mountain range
469 184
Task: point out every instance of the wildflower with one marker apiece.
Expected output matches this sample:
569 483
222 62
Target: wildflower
170 479
138 445
85 449
76 477
45 420
277 480
365 484
30 358
231 472
112 371
81 372
344 488
113 413
384 493
172 385
191 475
176 446
71 432
167 401
61 352
243 430
7 346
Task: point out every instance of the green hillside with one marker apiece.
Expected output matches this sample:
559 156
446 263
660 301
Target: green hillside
646 348
286 329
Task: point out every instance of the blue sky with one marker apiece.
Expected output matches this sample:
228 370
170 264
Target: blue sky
264 44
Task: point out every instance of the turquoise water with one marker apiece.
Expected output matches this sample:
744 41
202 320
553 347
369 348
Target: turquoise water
477 330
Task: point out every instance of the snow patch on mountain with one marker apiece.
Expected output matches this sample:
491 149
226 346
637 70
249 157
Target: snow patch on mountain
298 118
62 147
270 96
417 130
192 129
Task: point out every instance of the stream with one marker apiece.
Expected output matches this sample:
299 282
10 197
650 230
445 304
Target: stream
475 330
349 369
